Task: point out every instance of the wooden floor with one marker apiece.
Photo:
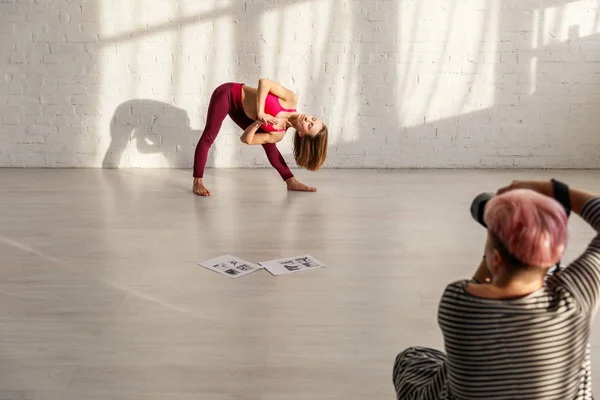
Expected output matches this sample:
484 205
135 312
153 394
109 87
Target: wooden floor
101 297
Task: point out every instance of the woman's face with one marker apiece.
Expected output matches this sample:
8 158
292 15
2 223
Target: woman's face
308 125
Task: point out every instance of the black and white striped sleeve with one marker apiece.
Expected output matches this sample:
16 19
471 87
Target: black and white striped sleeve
582 276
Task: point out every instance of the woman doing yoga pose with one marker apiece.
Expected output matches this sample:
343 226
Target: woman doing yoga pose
265 113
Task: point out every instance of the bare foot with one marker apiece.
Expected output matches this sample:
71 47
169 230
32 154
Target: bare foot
294 185
199 188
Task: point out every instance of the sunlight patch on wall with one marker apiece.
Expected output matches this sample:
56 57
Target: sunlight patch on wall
223 65
447 60
572 20
331 68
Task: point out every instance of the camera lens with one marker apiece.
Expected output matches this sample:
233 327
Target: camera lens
478 207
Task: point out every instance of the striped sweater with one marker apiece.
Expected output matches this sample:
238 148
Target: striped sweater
534 347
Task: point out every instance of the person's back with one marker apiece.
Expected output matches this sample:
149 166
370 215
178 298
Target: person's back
534 347
506 334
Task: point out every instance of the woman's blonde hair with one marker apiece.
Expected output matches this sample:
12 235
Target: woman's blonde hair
310 151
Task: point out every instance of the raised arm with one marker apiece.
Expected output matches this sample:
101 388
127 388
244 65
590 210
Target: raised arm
582 276
266 86
578 198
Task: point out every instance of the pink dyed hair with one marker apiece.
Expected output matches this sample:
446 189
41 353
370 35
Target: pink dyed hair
531 226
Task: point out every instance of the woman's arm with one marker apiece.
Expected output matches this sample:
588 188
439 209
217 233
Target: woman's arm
577 198
249 136
266 86
582 276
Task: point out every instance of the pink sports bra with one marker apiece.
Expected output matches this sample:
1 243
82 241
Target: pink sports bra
273 107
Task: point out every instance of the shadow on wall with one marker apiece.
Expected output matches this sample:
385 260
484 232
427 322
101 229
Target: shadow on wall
151 127
141 127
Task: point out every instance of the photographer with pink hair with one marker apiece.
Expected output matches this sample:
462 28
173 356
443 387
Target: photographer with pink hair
508 332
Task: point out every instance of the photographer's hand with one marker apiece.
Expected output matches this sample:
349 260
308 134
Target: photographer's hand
542 187
577 198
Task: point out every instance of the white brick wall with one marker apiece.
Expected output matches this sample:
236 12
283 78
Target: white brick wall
401 83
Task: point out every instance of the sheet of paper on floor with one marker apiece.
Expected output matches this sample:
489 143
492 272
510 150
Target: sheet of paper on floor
292 264
230 266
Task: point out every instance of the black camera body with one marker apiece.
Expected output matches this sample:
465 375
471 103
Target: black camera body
478 207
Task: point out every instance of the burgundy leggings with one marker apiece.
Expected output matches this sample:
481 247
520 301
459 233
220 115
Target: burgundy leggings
227 100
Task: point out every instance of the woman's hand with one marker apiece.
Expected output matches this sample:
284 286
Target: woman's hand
514 185
279 124
266 118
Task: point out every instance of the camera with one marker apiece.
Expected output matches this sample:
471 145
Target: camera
560 194
478 207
